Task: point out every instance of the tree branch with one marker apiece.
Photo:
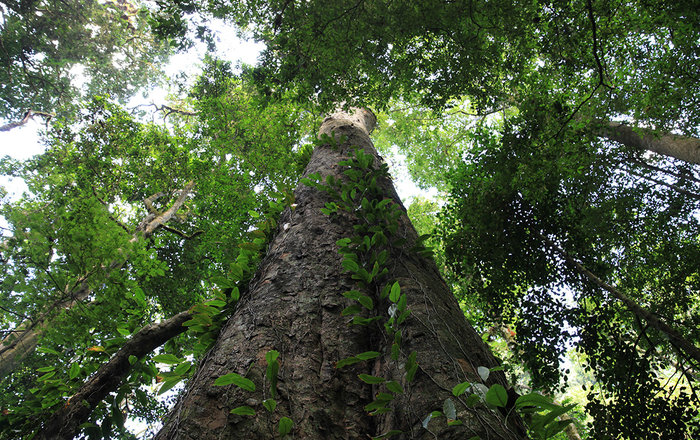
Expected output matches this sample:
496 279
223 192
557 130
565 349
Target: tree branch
27 116
675 337
65 423
16 346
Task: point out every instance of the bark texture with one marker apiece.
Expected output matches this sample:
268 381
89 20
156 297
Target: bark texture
294 306
679 147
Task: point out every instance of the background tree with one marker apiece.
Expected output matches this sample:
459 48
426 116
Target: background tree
54 53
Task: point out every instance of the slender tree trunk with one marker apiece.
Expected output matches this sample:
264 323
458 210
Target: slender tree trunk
294 306
679 147
675 337
24 339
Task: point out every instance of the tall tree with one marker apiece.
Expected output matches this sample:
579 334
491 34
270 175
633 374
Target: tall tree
300 305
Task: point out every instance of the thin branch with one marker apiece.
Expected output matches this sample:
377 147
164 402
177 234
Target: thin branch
591 18
664 171
675 337
182 234
662 183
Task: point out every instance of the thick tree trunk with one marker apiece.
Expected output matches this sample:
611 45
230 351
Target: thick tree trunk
294 306
679 147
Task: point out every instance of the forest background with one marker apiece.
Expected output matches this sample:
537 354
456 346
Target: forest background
559 141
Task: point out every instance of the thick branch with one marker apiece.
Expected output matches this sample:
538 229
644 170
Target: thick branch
27 116
679 147
676 338
162 218
65 423
24 338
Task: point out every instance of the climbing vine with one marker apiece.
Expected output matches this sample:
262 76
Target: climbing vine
379 298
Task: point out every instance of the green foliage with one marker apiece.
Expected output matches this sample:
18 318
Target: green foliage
80 229
519 201
44 41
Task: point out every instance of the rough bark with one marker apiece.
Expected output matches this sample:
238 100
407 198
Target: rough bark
294 306
679 147
24 339
65 423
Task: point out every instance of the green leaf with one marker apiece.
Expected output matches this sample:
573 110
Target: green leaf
395 351
535 399
235 379
216 303
411 367
168 384
347 361
285 426
366 301
243 411
133 359
394 387
182 368
272 370
343 242
139 295
375 405
541 421
556 427
368 355
352 294
459 389
168 359
472 400
351 310
45 369
395 292
497 396
74 371
366 378
270 404
358 320
47 350
350 265
271 356
401 304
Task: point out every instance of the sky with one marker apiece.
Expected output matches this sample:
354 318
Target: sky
24 142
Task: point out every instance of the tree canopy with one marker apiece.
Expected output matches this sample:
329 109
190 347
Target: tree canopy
562 137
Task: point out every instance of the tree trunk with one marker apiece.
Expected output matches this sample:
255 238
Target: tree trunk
294 306
24 339
679 147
